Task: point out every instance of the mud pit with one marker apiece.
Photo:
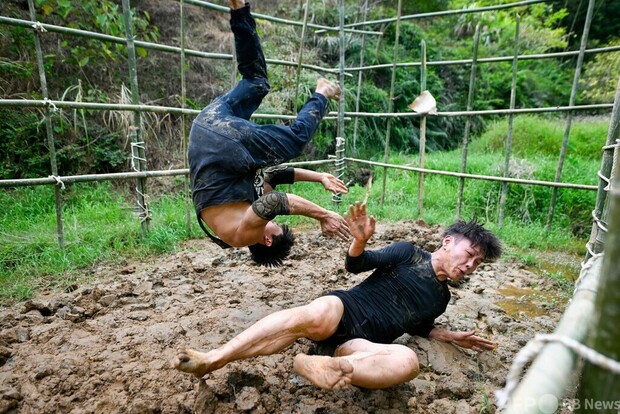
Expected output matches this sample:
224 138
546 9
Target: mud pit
105 347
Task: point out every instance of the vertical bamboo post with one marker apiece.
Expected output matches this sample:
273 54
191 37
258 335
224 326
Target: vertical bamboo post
359 81
300 55
48 128
138 156
597 236
391 100
513 96
184 137
422 133
569 117
597 383
340 133
470 97
341 66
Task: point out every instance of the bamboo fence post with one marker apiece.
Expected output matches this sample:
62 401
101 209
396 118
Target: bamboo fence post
391 99
422 133
573 96
599 219
184 137
137 146
48 127
513 96
470 95
300 55
359 82
598 383
340 133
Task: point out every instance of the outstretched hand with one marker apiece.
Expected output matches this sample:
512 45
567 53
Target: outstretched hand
333 184
333 225
361 225
468 339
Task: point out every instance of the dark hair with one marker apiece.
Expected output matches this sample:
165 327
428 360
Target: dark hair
274 255
478 236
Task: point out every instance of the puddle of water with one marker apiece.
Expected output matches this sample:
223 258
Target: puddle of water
519 302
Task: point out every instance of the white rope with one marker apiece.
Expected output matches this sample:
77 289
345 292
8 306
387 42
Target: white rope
47 102
136 146
145 213
614 164
533 348
339 165
58 181
39 27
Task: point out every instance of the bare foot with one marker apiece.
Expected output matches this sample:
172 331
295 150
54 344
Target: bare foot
236 4
192 362
328 89
331 373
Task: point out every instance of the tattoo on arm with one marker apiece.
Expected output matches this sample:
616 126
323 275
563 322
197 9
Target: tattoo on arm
270 205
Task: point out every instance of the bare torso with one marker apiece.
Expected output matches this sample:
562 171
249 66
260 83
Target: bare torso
226 221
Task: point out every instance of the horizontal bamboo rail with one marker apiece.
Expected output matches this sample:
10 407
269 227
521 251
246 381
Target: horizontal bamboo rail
496 59
146 45
278 19
445 13
23 182
331 115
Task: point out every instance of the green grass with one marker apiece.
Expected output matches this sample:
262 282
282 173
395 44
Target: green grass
100 224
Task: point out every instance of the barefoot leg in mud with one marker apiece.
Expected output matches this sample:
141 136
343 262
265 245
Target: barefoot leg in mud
323 371
192 362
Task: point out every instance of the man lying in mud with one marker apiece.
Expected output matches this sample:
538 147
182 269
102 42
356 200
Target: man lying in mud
227 154
406 292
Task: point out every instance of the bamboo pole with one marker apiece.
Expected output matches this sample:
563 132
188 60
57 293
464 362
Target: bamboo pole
446 13
359 80
599 222
573 96
470 97
513 96
549 375
135 132
48 129
25 182
497 59
342 48
279 19
598 384
422 133
21 103
184 135
391 100
300 54
223 56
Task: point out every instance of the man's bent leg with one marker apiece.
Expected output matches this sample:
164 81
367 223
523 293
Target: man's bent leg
379 365
361 363
317 320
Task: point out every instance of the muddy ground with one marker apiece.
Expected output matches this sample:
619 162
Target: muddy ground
105 347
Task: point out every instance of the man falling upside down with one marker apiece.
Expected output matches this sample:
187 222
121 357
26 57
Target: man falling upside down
229 155
406 292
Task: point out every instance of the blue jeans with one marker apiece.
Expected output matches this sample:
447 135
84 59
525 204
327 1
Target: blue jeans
226 149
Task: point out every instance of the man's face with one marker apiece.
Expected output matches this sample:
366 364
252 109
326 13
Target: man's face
271 230
462 258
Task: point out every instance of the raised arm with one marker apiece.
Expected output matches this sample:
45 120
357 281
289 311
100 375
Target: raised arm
464 339
362 227
289 175
330 183
332 224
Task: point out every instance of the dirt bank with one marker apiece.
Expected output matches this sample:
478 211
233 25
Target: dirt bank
105 348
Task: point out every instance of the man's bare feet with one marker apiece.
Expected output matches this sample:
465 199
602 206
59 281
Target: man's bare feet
192 362
236 4
331 373
328 89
